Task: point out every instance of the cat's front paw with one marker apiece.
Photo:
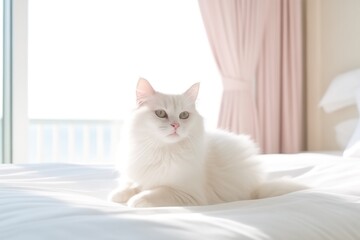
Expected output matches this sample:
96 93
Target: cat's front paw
157 197
122 194
140 201
150 198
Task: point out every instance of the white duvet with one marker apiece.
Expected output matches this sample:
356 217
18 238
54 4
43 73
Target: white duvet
68 201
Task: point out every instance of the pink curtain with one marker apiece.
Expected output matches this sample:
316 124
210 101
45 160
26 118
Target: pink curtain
280 80
257 47
235 30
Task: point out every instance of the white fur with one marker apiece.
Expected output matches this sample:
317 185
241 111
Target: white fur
193 167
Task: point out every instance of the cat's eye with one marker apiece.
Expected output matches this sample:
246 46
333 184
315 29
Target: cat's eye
161 113
184 115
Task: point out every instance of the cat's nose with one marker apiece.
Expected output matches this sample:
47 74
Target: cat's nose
175 125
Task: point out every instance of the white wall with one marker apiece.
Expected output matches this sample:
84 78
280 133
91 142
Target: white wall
332 47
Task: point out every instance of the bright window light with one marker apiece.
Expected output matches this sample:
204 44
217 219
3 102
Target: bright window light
85 56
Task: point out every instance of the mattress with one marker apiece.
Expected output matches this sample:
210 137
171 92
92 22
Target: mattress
69 201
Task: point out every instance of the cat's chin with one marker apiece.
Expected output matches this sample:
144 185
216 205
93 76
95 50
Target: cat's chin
173 138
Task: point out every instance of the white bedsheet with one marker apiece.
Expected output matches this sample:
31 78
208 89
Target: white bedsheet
68 201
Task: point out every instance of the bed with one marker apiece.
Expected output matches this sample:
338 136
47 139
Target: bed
68 201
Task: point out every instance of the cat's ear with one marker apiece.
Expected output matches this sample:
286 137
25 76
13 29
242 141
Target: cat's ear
192 92
143 91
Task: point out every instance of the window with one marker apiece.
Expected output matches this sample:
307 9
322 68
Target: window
84 59
1 83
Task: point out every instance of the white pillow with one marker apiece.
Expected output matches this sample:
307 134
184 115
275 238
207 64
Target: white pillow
353 148
344 131
341 91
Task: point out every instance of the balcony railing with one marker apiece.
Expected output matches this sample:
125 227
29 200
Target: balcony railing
83 141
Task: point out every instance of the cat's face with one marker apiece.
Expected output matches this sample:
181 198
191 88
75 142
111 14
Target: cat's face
167 118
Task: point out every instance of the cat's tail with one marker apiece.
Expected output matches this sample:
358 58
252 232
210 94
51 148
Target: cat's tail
277 187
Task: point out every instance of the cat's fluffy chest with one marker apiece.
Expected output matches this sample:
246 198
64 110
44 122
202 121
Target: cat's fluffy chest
179 165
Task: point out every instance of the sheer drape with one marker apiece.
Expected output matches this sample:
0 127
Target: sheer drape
258 49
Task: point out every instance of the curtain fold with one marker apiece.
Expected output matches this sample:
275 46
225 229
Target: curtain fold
257 45
235 30
280 80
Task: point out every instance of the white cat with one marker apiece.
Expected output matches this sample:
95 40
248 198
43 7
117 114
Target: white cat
169 160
